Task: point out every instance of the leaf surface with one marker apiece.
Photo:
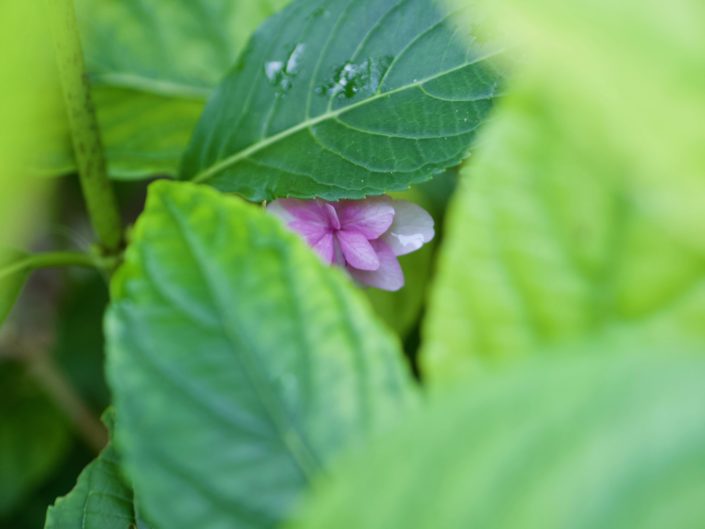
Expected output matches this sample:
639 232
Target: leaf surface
566 225
100 500
152 66
341 99
240 364
584 442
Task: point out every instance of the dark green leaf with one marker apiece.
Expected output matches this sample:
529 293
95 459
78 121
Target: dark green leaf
240 364
343 99
100 500
591 443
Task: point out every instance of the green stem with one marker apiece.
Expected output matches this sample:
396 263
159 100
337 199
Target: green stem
88 149
52 260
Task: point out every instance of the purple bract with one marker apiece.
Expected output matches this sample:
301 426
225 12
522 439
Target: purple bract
364 236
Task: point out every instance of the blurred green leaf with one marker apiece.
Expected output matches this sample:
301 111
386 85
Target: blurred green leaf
589 442
631 73
341 100
153 64
23 101
546 244
566 225
100 500
240 365
33 435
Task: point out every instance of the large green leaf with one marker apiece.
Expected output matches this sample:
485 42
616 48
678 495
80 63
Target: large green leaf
152 65
546 244
33 435
591 443
240 364
562 230
100 500
344 99
654 128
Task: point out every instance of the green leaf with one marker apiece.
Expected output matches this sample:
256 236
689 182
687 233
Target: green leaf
100 500
33 435
239 363
344 99
546 245
152 65
587 442
654 128
562 230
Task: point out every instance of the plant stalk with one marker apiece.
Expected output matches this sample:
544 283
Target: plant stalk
67 399
52 260
85 134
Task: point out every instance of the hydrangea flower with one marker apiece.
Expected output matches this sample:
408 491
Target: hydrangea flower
363 236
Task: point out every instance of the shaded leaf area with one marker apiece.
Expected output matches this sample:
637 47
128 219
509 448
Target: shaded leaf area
342 99
587 441
33 435
100 500
152 66
240 364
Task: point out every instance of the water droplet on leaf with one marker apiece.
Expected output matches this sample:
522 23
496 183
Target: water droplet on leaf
281 73
351 79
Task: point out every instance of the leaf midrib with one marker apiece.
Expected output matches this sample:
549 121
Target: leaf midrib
310 122
297 446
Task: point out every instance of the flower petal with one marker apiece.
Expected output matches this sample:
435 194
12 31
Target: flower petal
277 209
411 229
310 219
389 275
315 211
357 250
324 248
370 217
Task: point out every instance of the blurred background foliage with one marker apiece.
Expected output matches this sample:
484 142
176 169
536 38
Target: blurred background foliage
581 213
578 224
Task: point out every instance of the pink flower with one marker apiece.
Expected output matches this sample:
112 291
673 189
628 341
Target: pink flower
364 236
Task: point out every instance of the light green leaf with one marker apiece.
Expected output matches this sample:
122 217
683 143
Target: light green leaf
100 500
153 64
655 128
589 442
562 231
239 363
546 244
344 99
33 435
